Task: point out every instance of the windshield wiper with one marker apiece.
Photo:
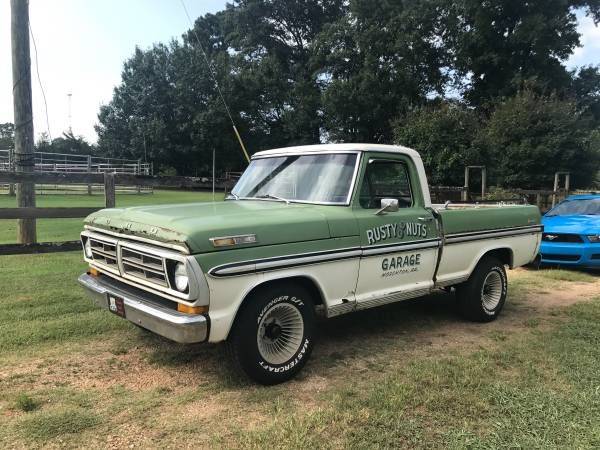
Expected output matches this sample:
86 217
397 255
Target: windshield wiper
274 197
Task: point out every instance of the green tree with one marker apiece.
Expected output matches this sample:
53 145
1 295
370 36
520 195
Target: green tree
141 115
68 143
443 133
529 137
168 104
343 70
7 135
586 90
274 40
376 62
502 46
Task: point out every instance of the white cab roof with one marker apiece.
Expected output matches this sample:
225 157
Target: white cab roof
325 148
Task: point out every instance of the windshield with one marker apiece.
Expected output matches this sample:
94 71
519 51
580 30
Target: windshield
590 206
323 178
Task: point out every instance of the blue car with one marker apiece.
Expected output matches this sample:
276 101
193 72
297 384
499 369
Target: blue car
572 232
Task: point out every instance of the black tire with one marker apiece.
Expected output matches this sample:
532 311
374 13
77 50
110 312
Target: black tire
260 356
482 297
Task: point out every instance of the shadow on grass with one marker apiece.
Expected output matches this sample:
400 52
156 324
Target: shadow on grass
212 359
339 338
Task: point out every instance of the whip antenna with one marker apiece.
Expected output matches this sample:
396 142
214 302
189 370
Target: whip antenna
214 78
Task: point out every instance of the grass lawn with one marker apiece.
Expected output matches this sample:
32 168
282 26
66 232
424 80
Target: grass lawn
54 230
410 375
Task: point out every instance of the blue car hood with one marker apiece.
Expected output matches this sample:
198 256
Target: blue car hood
572 224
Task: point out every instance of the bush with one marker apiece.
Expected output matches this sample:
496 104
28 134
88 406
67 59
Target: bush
500 194
443 134
525 140
530 137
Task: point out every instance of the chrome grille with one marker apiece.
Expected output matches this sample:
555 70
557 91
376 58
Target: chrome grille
104 252
144 266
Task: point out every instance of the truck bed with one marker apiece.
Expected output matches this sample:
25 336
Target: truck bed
469 231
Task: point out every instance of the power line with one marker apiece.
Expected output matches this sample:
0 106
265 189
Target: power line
37 69
213 76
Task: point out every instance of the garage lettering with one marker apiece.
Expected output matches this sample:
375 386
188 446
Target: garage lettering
398 262
396 231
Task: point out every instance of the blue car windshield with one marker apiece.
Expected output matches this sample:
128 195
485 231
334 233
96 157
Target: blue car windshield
582 207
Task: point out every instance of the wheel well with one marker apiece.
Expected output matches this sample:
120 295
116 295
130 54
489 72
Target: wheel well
307 283
505 255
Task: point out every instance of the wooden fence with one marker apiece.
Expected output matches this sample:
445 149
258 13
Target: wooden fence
109 180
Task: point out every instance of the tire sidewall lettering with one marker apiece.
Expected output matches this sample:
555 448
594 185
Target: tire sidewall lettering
289 365
302 351
282 298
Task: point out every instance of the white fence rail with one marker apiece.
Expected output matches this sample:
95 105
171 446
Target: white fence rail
65 163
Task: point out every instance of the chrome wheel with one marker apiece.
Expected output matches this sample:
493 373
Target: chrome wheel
280 333
491 291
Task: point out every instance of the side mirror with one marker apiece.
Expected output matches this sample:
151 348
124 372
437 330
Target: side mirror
388 205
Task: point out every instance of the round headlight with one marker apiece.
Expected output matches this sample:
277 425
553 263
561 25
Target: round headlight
181 277
87 249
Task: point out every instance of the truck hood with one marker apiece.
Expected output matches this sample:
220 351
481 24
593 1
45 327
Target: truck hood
193 224
572 224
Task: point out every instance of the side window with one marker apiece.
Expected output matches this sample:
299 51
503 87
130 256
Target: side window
385 179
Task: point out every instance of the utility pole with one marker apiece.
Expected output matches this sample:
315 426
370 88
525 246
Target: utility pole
24 156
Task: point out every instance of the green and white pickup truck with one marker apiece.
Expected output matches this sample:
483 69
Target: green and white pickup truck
328 229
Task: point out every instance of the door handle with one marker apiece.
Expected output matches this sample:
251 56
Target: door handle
425 219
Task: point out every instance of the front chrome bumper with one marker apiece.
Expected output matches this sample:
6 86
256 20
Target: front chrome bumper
178 327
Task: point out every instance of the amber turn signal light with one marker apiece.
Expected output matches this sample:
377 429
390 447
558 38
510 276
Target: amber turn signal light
191 309
233 240
93 272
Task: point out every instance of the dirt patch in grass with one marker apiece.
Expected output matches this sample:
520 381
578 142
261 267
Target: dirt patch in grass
566 295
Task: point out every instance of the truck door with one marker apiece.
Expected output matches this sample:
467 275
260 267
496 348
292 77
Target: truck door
399 245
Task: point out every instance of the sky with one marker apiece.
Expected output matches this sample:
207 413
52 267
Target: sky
82 44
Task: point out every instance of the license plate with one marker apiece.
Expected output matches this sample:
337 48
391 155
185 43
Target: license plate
116 305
